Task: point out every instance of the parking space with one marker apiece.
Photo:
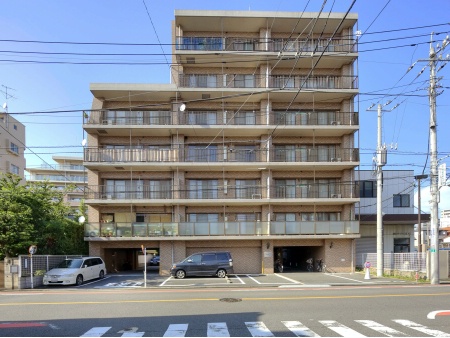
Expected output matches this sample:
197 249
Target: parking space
136 279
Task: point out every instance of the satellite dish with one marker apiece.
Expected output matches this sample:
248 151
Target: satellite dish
183 107
84 142
5 105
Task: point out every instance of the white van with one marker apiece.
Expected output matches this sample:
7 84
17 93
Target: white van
75 271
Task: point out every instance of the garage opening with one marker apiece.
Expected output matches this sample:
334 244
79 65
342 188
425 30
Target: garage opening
294 257
118 260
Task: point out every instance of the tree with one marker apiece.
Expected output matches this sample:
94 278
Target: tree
35 213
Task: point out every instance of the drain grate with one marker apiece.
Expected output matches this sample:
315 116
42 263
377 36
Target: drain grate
230 300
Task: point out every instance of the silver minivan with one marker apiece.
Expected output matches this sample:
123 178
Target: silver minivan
75 271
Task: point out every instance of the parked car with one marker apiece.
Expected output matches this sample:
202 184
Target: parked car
154 260
75 271
218 264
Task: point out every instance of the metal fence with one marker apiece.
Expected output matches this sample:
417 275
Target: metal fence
39 264
412 261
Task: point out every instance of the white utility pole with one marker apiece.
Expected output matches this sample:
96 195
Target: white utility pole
434 189
381 160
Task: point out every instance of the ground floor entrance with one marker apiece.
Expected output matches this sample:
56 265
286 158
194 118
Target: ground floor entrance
250 256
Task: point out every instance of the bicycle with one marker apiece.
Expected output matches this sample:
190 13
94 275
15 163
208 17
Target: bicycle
321 265
278 266
310 266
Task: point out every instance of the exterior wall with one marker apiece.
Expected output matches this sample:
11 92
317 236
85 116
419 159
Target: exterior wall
254 255
15 134
395 182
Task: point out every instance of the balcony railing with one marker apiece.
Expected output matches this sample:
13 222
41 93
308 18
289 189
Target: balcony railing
222 154
272 45
281 190
213 118
248 228
286 82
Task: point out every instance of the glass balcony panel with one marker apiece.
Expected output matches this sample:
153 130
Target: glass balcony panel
307 228
216 228
293 228
231 228
277 228
91 229
107 229
247 228
201 229
154 229
186 228
337 227
139 229
124 230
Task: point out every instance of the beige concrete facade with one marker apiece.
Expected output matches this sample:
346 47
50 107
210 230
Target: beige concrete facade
250 149
13 142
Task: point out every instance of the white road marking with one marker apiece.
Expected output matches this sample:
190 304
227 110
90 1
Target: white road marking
96 331
258 329
421 328
340 329
381 328
176 330
217 330
289 279
353 280
299 329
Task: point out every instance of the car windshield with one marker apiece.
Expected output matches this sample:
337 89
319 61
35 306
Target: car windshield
70 264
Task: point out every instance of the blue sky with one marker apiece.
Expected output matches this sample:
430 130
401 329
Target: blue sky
47 86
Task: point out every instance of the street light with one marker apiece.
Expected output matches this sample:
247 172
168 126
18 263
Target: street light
419 222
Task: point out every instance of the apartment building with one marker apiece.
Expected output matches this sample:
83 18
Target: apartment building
66 172
250 148
399 214
12 137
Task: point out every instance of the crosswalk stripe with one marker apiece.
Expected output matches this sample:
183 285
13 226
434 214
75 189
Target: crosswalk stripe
96 331
340 329
176 330
390 332
258 329
299 329
133 334
217 330
421 328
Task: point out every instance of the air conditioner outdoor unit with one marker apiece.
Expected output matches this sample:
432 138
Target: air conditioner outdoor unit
336 195
336 123
256 196
335 159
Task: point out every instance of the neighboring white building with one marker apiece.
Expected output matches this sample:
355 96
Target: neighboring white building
67 171
400 215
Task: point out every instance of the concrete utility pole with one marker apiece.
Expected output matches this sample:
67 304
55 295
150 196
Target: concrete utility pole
432 61
381 160
434 189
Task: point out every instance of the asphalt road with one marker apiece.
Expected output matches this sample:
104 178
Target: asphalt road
363 310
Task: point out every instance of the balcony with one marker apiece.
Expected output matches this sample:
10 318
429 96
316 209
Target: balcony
221 154
284 82
283 192
184 43
207 229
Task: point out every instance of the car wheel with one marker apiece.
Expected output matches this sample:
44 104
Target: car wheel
101 275
221 273
180 274
79 280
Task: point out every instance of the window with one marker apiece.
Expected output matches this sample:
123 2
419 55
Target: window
14 169
15 127
367 189
198 153
401 201
14 148
202 189
244 81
